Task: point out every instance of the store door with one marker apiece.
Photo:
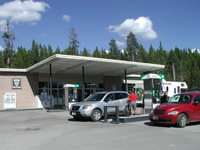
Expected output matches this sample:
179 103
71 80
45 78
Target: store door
9 100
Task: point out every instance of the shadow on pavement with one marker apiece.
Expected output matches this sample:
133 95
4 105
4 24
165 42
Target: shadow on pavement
169 126
157 125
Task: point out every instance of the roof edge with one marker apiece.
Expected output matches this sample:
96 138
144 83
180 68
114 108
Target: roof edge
12 70
47 60
107 60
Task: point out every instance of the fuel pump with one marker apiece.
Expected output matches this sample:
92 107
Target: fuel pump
70 94
152 91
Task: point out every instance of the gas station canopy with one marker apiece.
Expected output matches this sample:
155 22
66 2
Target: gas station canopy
72 65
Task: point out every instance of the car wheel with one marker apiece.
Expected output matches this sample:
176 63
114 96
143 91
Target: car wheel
96 115
126 111
181 120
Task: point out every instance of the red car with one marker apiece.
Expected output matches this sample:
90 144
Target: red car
180 110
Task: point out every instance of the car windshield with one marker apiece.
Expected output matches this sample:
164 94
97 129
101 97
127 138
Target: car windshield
181 98
95 97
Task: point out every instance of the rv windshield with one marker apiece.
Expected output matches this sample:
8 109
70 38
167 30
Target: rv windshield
95 97
185 99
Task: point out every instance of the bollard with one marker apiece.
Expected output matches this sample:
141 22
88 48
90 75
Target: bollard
105 114
116 114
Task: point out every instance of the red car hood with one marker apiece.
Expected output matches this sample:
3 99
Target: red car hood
170 106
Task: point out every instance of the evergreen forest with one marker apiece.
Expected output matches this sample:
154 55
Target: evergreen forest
180 64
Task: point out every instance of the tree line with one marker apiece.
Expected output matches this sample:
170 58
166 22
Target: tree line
180 64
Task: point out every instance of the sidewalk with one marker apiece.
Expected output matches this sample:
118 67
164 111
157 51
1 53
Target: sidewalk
133 118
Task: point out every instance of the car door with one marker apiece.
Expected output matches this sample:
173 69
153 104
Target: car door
109 101
119 101
196 107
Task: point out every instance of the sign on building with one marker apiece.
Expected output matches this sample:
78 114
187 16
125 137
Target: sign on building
16 83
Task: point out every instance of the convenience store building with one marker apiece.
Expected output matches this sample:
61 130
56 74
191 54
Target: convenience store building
31 88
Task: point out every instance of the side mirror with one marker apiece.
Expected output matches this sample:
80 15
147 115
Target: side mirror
107 100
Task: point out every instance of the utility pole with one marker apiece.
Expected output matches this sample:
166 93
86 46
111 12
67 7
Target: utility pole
174 71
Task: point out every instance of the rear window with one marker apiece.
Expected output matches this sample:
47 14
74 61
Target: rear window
124 95
120 96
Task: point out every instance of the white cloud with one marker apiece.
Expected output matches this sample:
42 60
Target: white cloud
1 48
2 25
195 49
66 18
141 27
19 11
120 43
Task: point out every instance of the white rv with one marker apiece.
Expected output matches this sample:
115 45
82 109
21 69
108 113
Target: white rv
172 87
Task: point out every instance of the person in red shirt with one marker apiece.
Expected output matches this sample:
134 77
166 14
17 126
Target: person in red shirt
132 98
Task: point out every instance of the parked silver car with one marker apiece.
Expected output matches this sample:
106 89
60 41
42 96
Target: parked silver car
93 106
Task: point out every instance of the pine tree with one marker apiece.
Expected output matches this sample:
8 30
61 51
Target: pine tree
161 55
35 52
143 54
9 38
194 75
67 51
85 52
74 43
21 58
152 55
124 55
45 52
132 47
103 53
50 51
1 60
57 51
96 53
41 53
172 65
114 52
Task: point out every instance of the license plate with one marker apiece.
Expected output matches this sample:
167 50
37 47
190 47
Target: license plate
155 117
73 113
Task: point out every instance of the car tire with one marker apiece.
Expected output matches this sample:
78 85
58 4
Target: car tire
96 115
181 121
126 111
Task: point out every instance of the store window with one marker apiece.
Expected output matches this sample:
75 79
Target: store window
58 90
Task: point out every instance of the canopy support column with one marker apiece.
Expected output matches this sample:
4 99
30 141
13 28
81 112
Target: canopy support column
126 86
50 81
83 84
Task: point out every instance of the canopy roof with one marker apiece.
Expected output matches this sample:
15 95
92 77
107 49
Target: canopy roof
72 65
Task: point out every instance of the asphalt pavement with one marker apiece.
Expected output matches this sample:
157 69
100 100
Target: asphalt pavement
57 130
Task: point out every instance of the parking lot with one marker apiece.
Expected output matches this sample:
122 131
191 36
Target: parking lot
56 130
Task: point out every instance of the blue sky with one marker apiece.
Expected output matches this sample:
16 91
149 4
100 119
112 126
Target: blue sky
176 23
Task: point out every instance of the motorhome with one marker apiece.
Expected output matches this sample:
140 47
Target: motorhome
172 87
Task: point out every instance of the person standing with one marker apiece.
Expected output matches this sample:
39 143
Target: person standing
164 98
132 98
